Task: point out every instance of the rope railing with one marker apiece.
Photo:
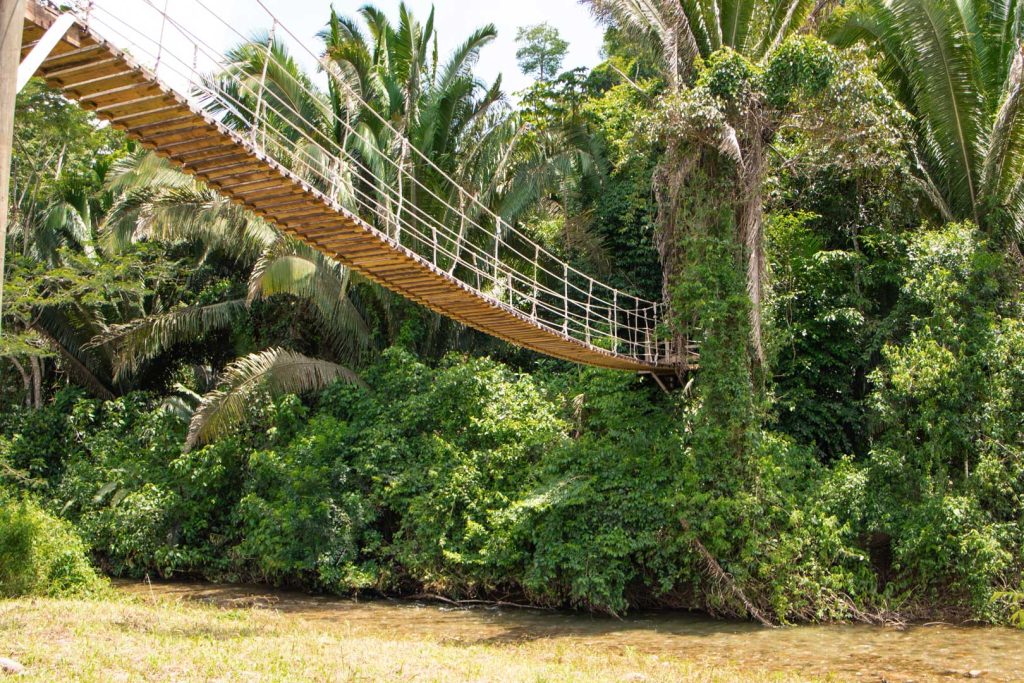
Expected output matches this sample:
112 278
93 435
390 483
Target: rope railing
449 228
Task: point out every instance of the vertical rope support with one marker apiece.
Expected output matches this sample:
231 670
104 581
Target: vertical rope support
637 346
615 321
401 189
195 69
647 339
258 113
590 298
565 297
433 238
160 43
536 275
457 248
657 348
497 241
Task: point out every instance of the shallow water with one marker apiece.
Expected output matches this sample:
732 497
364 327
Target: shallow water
850 652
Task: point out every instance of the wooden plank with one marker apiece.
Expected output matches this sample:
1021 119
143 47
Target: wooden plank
153 115
262 173
208 167
87 68
179 147
166 124
255 185
83 88
215 154
65 56
126 106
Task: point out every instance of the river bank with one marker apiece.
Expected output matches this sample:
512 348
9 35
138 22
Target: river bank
186 632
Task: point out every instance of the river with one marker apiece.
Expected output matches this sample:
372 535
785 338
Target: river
847 652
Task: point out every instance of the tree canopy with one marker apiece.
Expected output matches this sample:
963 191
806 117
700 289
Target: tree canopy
541 51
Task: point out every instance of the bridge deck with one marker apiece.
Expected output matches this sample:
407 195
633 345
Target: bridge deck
105 80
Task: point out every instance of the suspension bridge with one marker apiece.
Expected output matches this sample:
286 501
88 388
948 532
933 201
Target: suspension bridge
166 92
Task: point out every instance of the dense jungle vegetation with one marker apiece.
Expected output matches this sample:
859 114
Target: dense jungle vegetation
829 195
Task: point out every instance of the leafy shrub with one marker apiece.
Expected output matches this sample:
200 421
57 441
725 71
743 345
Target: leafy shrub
305 515
142 503
945 472
42 555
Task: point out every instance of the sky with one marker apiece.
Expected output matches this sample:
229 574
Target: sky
137 23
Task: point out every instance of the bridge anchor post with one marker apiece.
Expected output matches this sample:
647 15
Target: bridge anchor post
12 18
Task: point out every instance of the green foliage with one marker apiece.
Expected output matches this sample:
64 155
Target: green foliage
303 514
1014 600
541 50
802 67
36 443
872 461
728 76
41 554
956 68
949 401
141 503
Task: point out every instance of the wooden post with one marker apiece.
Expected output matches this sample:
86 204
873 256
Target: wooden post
12 18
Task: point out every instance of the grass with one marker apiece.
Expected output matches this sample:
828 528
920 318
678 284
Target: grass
125 638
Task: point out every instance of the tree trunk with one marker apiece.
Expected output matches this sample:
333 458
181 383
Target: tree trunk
750 225
26 380
37 382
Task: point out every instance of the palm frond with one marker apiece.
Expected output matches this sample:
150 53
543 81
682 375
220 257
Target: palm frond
142 340
89 366
945 82
278 371
303 272
1004 158
667 21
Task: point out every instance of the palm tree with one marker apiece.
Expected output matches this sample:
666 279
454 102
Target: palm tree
402 103
957 67
159 203
686 32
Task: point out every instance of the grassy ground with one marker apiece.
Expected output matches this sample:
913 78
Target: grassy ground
135 639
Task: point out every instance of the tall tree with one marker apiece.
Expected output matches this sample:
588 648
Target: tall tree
740 33
541 51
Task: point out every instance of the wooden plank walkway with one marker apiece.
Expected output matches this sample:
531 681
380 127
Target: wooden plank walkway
108 82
